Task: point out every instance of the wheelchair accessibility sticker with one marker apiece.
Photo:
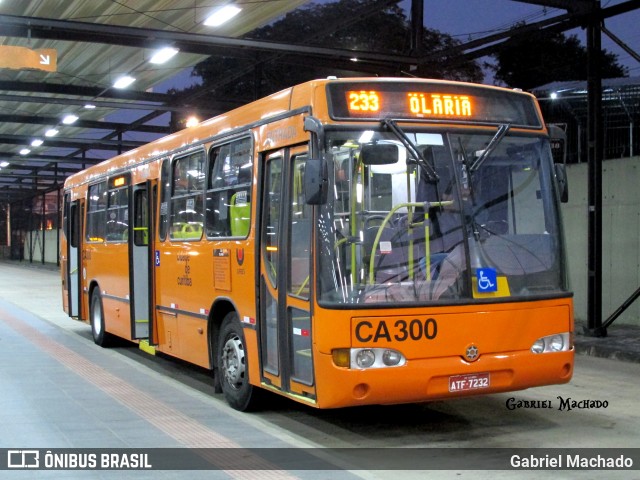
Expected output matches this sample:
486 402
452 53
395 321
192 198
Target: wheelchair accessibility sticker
487 279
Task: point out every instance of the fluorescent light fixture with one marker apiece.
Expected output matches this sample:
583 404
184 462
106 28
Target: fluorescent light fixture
163 55
52 132
123 82
4 164
37 142
222 15
25 151
69 119
89 106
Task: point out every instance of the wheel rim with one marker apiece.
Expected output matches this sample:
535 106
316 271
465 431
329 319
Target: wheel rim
233 362
96 320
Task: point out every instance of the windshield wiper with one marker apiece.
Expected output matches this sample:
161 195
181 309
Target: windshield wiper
406 141
495 141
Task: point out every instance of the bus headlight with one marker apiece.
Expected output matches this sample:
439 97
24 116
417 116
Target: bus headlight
391 358
559 342
365 358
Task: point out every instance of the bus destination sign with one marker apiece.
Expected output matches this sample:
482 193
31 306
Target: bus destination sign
418 103
432 101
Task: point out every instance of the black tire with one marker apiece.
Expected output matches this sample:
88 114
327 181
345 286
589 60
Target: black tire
232 365
96 317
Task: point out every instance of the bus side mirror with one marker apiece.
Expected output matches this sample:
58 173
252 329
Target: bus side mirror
558 141
563 184
316 182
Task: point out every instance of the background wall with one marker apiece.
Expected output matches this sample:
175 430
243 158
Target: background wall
620 236
33 245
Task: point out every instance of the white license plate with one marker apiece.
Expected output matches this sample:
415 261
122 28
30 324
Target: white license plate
473 381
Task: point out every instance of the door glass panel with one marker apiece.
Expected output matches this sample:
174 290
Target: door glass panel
272 218
300 233
270 351
300 322
141 220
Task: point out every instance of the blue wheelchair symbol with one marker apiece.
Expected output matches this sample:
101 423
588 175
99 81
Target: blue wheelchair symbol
157 258
487 279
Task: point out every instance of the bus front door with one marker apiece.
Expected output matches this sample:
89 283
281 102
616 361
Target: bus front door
140 249
285 269
73 233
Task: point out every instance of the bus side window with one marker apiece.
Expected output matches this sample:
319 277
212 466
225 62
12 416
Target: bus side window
187 217
96 212
118 215
165 191
229 189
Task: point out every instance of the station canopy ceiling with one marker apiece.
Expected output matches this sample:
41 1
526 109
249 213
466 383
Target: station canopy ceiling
87 46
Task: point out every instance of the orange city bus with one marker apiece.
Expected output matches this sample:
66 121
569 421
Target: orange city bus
342 242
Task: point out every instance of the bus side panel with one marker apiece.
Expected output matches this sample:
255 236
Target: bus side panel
108 266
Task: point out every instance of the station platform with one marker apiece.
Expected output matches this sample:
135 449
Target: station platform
60 391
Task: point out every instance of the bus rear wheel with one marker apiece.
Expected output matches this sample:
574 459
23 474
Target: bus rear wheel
96 317
233 369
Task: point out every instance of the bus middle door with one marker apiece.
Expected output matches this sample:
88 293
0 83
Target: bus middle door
141 262
285 269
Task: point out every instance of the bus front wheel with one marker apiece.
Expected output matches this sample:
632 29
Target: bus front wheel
233 369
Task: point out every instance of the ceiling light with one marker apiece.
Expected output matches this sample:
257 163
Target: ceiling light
89 106
222 15
69 119
25 151
4 164
52 132
123 82
192 122
37 142
163 55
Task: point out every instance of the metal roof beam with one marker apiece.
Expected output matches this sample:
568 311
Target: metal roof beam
34 27
96 144
48 158
85 91
559 23
579 7
39 120
124 105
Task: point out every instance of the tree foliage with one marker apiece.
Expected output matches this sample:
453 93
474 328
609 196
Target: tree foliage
345 24
529 60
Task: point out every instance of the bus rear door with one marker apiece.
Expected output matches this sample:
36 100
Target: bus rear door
73 268
285 269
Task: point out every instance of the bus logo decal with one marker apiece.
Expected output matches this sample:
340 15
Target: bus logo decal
472 353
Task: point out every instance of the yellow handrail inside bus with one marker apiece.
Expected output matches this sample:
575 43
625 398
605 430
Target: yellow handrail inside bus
409 206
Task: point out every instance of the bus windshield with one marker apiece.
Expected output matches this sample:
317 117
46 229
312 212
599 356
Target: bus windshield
418 217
